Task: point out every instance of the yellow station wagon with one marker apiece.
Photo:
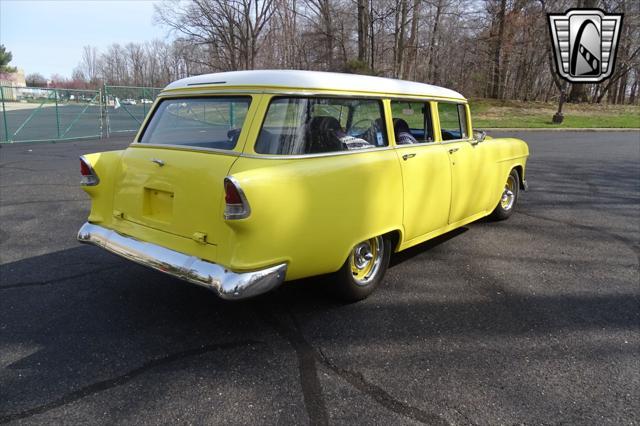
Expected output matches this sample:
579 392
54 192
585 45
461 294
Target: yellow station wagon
239 181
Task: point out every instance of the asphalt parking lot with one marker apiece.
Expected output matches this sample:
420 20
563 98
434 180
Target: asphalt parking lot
535 320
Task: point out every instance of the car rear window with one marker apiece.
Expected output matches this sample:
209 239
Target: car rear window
213 122
312 125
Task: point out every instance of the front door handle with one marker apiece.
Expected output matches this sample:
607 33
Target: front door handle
452 150
405 157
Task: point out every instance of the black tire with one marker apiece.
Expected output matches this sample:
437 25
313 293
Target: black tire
507 203
351 289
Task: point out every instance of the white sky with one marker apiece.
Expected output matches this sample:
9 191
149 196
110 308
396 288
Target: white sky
47 36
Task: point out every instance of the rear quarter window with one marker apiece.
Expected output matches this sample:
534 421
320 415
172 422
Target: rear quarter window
213 122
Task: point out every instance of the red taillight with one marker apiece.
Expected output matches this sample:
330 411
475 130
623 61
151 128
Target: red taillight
236 204
89 176
231 194
85 170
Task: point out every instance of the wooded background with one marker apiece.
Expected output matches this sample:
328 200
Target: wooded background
483 48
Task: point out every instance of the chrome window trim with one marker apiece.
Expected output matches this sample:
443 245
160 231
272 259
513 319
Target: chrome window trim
159 99
262 156
466 116
264 118
456 141
321 154
416 145
185 148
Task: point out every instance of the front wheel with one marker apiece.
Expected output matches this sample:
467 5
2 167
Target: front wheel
509 197
364 269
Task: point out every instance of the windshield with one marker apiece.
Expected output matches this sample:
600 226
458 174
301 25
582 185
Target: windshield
295 126
200 122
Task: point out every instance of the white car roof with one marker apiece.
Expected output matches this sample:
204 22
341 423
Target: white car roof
314 80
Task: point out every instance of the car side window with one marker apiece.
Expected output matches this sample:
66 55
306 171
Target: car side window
412 122
453 121
313 125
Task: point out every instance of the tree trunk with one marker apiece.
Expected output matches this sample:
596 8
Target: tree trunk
496 91
363 29
412 44
431 67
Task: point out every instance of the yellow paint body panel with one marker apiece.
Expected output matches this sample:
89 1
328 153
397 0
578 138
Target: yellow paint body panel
308 211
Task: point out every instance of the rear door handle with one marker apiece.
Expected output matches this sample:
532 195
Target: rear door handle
405 157
452 150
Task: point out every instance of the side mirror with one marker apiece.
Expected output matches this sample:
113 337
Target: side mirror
479 135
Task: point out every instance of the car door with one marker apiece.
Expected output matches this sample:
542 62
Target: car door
469 189
425 169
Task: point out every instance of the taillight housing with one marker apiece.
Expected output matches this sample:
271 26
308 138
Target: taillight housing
89 176
236 205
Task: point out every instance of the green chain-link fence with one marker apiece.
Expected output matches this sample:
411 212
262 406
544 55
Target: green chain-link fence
37 114
127 106
31 114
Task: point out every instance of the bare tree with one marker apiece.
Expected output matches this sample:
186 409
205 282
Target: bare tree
488 48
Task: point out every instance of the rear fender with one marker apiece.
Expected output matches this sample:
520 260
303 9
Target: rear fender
107 167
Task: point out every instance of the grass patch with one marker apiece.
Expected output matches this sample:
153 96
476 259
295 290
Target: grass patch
488 113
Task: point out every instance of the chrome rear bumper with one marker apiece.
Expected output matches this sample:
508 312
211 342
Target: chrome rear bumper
227 284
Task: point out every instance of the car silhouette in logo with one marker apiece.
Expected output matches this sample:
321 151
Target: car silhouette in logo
585 44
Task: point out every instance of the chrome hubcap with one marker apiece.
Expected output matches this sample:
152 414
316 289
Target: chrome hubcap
366 259
509 196
362 255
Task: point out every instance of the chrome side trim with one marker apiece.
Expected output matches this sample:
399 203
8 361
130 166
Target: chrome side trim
321 154
184 148
226 284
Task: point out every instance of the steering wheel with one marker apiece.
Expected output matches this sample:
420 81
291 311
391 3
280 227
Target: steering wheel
354 129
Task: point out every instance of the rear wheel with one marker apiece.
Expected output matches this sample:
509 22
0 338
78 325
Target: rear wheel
509 197
364 269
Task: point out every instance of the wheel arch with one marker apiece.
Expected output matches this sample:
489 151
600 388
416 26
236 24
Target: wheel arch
520 169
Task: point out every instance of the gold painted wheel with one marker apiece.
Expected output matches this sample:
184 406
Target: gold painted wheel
365 260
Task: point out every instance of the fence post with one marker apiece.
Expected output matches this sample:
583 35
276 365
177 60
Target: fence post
100 112
106 110
4 116
144 105
55 91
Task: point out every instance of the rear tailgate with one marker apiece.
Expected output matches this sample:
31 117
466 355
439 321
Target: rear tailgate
174 191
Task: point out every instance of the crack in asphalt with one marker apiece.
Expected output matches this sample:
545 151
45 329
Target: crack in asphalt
308 359
56 280
103 385
382 397
311 389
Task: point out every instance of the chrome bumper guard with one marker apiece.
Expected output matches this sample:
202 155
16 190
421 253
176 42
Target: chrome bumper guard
227 284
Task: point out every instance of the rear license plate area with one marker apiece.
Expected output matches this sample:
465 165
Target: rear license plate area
158 205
